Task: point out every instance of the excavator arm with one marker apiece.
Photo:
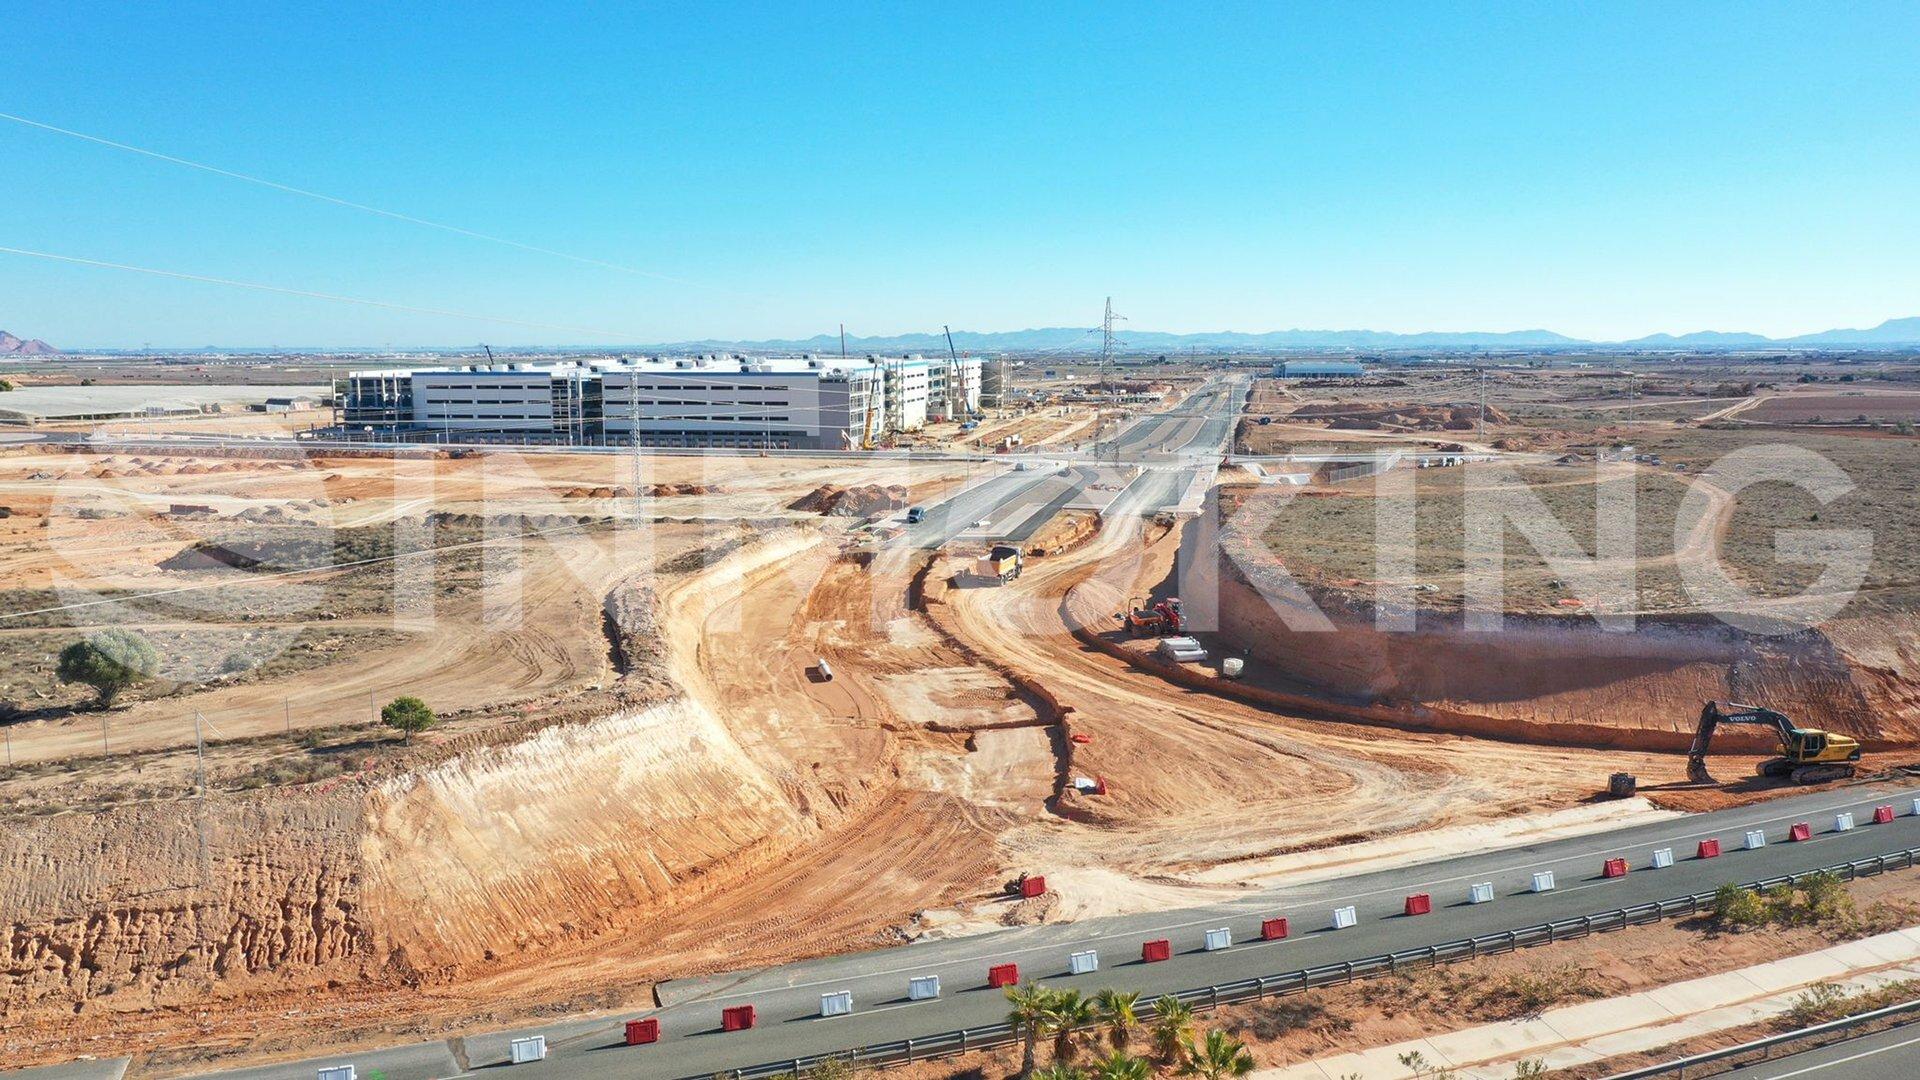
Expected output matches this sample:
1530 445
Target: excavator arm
1807 755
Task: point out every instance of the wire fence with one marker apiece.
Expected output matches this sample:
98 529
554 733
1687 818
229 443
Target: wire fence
966 1040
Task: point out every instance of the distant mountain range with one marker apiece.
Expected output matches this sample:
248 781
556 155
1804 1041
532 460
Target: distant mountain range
13 346
1893 332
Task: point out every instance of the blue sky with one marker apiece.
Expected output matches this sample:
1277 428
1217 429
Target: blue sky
1603 170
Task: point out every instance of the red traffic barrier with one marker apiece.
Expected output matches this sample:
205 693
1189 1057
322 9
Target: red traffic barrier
643 1031
737 1018
1273 929
1882 815
1000 975
1419 904
1800 830
1614 868
1152 952
1031 887
1081 739
1099 786
1709 849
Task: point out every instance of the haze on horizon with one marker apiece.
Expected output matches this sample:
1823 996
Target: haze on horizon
1602 173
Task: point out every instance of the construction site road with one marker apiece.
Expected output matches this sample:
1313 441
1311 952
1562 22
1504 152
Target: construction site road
788 998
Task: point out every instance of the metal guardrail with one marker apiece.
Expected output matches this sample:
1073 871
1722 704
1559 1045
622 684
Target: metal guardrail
1764 1047
949 1043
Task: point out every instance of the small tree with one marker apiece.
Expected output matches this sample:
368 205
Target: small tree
1119 1010
1069 1011
1172 1029
407 715
109 661
1121 1065
1219 1056
1027 1013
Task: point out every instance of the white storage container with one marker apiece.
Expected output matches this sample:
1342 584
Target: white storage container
1218 939
1232 666
1344 917
1083 963
1543 881
923 988
1481 893
528 1049
839 1003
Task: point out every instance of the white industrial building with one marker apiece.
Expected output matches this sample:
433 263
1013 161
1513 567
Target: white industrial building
796 402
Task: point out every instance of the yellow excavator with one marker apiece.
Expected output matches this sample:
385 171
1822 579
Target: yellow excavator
1807 755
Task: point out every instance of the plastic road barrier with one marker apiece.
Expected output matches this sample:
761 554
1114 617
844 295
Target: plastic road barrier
1344 917
1614 868
923 988
1756 839
1000 975
1843 822
1218 939
641 1032
1419 904
1543 881
1709 849
1152 952
529 1049
738 1018
838 1003
1662 858
1800 830
338 1072
1480 893
1882 815
1273 929
1031 887
1083 963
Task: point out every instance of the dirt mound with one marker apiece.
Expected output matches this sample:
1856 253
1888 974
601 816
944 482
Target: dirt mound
655 491
1353 417
859 501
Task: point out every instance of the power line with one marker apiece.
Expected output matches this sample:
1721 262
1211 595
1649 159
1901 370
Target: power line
310 294
347 203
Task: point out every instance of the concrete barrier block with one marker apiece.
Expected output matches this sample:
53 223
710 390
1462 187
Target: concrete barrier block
838 1003
1543 881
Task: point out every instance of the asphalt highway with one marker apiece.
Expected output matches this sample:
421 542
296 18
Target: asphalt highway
1893 1054
788 998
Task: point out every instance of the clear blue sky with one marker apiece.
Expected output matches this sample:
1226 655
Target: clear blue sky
1602 170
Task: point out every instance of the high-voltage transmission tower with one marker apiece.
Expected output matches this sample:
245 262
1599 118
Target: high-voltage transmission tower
1106 346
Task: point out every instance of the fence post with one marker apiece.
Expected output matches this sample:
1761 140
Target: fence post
909 1051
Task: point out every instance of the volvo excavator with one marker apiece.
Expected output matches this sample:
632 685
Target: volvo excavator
1807 755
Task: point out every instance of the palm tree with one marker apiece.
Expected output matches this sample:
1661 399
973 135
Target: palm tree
1029 1014
1121 1065
1172 1029
1059 1071
1218 1057
1120 1010
1069 1010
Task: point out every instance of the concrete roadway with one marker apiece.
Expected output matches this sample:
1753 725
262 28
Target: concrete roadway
1893 1054
788 997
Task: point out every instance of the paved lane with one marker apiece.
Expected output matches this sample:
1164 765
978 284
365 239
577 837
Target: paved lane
1893 1054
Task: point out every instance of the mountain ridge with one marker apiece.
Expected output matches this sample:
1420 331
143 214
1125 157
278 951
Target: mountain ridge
16 346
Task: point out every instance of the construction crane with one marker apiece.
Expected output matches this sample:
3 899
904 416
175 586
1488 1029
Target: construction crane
874 397
1807 755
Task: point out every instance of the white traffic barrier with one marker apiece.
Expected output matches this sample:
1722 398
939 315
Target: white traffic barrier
1543 881
529 1049
923 988
1916 808
1843 822
1662 858
1083 963
1218 939
1344 917
1756 838
838 1003
338 1072
1480 893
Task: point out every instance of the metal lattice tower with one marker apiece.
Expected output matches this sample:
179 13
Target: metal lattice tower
1106 345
